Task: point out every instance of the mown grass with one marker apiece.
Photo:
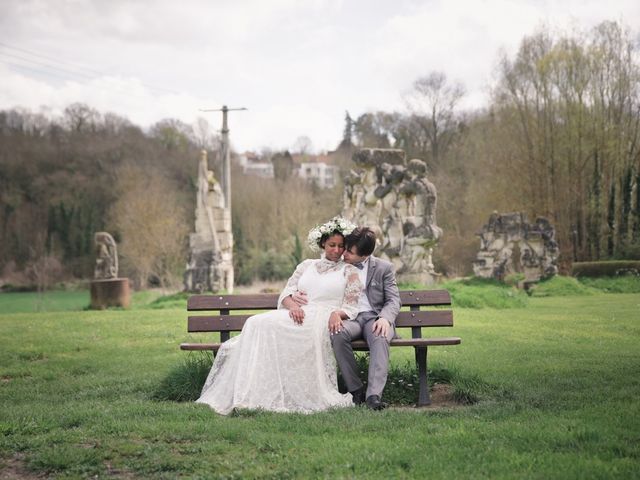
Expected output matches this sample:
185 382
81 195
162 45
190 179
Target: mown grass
50 301
556 381
76 300
465 293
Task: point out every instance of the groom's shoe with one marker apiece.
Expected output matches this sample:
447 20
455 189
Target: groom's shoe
358 396
374 403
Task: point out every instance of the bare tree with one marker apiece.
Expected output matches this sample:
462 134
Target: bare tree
571 106
79 117
433 100
303 145
153 226
204 135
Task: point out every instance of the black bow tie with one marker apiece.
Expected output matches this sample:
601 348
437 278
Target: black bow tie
358 265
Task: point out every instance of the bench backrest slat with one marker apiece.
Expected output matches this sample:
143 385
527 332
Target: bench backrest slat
232 323
263 301
425 297
267 301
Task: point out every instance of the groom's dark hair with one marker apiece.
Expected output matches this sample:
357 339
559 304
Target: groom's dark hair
363 239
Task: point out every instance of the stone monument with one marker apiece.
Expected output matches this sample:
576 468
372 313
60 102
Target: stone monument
210 265
107 290
396 200
505 232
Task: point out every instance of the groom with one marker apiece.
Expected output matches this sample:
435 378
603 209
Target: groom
378 306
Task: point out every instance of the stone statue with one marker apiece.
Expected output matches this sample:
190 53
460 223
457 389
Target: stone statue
107 289
502 234
106 256
210 264
398 202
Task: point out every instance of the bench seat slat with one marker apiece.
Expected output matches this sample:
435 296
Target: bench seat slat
234 323
359 345
268 301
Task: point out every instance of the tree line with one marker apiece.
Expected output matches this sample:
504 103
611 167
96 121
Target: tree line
64 178
559 137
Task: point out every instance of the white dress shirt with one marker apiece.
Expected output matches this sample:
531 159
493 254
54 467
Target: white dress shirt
363 301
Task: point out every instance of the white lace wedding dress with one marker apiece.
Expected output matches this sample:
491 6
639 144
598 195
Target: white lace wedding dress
277 365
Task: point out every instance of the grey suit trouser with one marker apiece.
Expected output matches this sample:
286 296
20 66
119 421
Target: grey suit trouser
362 327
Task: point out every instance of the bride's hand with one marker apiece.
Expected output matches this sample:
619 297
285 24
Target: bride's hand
297 314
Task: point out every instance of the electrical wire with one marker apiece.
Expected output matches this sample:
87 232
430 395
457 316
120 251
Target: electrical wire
75 70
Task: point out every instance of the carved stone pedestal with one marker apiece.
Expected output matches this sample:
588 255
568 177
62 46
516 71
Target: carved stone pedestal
112 292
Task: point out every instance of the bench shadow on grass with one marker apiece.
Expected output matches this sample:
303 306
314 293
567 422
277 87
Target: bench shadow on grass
449 387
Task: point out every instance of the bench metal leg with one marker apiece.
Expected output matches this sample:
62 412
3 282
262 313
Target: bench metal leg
421 360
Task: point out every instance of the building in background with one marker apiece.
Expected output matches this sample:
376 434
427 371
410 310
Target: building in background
252 165
312 168
323 175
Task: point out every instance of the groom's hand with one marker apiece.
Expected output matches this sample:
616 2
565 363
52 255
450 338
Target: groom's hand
335 323
381 327
300 298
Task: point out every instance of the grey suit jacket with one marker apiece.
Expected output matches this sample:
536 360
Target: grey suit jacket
382 290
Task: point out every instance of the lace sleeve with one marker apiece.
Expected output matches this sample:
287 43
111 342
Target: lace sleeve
292 283
352 292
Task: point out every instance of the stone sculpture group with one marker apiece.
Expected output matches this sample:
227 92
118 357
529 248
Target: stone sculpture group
502 234
385 192
396 199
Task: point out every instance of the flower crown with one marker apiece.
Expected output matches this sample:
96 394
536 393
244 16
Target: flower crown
337 223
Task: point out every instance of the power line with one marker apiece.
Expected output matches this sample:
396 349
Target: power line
49 74
35 62
75 70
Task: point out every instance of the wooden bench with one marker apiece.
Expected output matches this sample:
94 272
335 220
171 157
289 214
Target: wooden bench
227 319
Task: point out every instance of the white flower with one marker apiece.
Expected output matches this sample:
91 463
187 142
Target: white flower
337 223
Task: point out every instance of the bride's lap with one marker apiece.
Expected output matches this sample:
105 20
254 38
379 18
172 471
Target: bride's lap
279 319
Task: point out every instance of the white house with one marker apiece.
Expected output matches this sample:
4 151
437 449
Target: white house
325 176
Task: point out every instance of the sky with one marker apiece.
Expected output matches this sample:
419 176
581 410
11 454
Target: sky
297 66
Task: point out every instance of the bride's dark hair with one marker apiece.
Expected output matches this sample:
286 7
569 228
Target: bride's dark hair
326 236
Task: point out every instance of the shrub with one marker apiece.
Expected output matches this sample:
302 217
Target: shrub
484 293
609 268
271 265
176 300
625 284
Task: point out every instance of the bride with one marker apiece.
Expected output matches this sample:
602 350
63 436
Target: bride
282 360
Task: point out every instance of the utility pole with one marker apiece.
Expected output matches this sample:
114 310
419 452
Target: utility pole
225 153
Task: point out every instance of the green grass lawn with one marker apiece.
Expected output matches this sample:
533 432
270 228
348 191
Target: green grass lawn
558 382
74 300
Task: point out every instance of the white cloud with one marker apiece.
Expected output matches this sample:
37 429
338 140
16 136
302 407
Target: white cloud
296 65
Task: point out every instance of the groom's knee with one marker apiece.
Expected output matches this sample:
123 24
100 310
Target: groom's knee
340 339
